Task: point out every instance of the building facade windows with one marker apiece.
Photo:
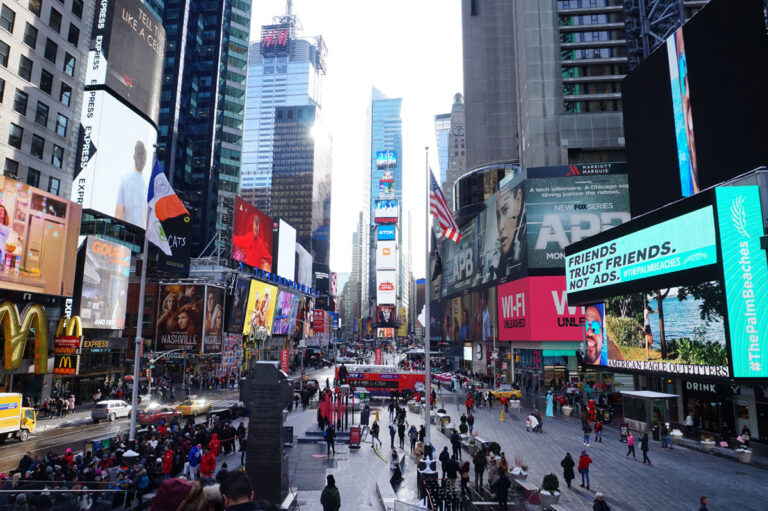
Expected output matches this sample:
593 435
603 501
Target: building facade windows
7 18
11 168
61 125
41 114
20 102
15 135
57 157
53 185
25 68
30 36
33 177
38 147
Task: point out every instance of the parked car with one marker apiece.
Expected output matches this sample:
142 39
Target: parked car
157 414
110 410
194 407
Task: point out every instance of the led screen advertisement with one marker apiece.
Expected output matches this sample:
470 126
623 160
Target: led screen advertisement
690 319
236 305
303 266
126 53
180 317
745 276
275 39
386 287
681 108
106 267
261 307
681 243
214 319
386 255
386 315
38 240
564 210
387 186
386 211
252 236
385 233
114 164
470 317
285 313
537 309
386 159
286 250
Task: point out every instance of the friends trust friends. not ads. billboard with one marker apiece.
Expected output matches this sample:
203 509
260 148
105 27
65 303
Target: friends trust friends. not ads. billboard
536 309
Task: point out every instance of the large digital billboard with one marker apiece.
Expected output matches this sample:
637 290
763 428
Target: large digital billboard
114 159
682 243
180 317
275 39
126 53
386 255
106 267
261 307
286 311
303 266
386 315
252 236
385 233
386 159
677 330
386 287
236 304
564 210
213 325
745 275
38 240
386 211
536 309
286 250
684 138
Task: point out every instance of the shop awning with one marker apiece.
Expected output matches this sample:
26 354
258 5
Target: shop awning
648 394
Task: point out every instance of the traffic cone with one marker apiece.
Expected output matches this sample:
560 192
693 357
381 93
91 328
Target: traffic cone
502 415
377 415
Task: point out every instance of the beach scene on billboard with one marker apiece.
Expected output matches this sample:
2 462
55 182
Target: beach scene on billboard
180 318
38 240
676 330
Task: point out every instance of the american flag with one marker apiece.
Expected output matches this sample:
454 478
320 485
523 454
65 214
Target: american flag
440 210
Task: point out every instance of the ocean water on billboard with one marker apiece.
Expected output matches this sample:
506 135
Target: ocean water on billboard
682 319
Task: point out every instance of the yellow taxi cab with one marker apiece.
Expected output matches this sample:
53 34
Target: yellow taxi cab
507 392
194 407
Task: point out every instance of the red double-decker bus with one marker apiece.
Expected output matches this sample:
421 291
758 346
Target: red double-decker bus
380 380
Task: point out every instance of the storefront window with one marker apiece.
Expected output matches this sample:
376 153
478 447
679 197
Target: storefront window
634 409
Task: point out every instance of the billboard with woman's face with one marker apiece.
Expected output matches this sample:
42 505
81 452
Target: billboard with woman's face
214 319
180 317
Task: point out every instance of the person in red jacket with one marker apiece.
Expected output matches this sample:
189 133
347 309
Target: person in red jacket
167 463
69 458
584 462
215 445
207 464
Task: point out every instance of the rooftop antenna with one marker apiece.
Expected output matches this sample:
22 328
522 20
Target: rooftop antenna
288 7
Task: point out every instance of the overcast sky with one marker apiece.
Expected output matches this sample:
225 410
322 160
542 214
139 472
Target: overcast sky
405 48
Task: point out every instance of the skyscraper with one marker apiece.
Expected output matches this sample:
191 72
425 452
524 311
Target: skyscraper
43 50
442 128
542 81
284 70
457 158
202 108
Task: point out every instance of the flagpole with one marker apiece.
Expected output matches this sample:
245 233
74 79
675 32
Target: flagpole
139 340
427 335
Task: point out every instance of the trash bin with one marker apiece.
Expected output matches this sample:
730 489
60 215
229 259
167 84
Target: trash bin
655 433
354 437
426 475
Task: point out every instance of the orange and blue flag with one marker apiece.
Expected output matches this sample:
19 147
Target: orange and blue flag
164 207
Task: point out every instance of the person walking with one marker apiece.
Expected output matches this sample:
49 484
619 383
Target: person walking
464 473
207 465
456 444
631 444
452 472
471 422
644 447
567 463
375 434
330 439
703 503
599 431
418 452
501 489
600 504
392 433
587 430
480 461
413 436
330 499
550 404
584 462
444 458
401 434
